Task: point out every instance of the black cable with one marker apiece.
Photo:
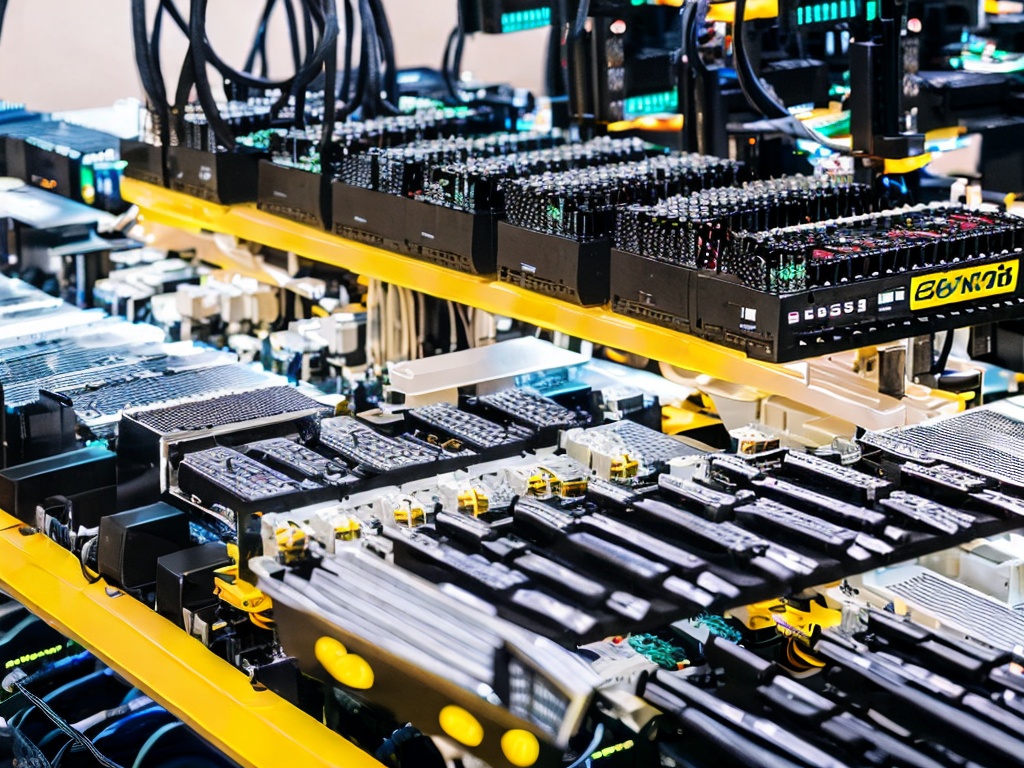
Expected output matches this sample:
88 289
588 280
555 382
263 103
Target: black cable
346 75
259 43
696 11
940 362
756 94
387 43
554 82
63 726
323 57
3 12
147 55
446 65
369 60
83 557
321 15
749 82
259 47
293 33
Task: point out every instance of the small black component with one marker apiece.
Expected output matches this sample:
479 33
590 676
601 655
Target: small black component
131 542
185 580
24 486
716 506
823 473
930 514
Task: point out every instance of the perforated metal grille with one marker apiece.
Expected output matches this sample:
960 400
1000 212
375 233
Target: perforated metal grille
153 390
60 365
981 441
996 624
229 409
641 441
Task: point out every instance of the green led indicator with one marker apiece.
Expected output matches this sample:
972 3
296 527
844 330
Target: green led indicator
853 8
651 104
843 9
872 10
835 11
817 13
799 15
517 21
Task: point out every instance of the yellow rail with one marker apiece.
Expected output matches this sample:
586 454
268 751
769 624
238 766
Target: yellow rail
254 728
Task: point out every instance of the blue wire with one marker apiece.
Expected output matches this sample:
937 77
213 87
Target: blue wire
583 761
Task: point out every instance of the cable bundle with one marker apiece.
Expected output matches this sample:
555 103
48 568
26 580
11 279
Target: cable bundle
582 204
255 103
695 230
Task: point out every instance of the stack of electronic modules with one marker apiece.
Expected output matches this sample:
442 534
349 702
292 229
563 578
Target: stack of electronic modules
444 562
892 692
545 547
781 269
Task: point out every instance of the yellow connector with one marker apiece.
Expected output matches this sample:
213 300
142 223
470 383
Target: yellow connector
291 543
237 593
787 618
409 514
347 530
573 489
624 467
473 501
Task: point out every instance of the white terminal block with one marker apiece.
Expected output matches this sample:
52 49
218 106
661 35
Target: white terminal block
197 302
337 333
489 369
597 449
271 522
331 524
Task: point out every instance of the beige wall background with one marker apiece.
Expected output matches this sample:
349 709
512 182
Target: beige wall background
73 54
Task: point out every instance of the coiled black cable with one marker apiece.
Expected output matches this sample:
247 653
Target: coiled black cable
320 28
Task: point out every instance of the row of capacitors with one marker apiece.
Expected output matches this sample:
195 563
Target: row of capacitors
477 184
300 147
694 230
582 204
863 247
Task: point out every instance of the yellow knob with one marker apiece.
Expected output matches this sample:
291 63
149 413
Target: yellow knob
349 669
327 648
521 747
461 725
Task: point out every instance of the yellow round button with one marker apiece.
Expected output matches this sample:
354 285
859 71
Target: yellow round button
521 747
461 725
327 648
354 671
347 668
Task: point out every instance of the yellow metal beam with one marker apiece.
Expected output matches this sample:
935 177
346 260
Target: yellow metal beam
597 324
254 728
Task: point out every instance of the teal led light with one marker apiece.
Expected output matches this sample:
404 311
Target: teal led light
517 21
651 104
871 10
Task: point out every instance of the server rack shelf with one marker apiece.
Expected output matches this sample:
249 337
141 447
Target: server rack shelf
799 381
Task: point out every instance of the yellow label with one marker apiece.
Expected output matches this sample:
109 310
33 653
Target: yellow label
965 284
